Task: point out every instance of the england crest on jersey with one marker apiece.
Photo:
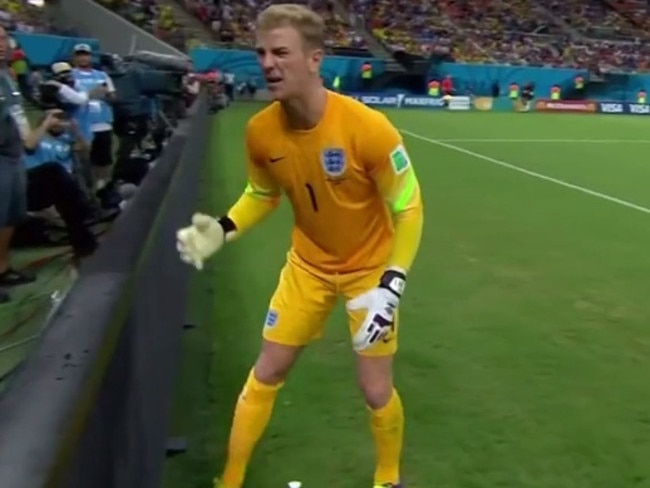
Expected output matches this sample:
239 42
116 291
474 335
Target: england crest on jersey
333 161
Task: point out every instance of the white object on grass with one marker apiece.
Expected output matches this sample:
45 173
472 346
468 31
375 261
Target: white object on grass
295 484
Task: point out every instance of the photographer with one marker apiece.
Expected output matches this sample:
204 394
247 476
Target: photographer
101 113
60 93
13 128
51 149
527 96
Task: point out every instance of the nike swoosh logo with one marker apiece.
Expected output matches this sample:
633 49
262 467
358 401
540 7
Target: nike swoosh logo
275 160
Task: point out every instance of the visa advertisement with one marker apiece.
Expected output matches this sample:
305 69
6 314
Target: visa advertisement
401 100
624 108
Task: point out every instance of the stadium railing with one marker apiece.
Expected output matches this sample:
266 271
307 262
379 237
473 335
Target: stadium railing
90 406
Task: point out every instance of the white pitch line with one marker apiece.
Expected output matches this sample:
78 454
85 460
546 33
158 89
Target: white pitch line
550 141
582 189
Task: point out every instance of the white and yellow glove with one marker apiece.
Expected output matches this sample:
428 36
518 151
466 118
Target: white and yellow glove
202 239
380 304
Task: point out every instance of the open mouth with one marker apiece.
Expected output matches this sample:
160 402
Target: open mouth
273 80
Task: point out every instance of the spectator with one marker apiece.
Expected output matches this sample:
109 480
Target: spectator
14 128
59 92
20 67
148 15
516 32
232 22
51 149
101 114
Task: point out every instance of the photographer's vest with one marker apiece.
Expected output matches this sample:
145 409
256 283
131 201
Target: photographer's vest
579 82
555 93
100 111
642 97
366 71
52 149
513 91
434 88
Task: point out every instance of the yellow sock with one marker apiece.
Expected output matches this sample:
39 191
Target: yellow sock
387 426
252 415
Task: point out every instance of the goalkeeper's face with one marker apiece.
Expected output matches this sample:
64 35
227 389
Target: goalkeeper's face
290 66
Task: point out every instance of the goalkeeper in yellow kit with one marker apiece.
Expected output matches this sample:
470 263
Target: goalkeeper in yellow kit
358 222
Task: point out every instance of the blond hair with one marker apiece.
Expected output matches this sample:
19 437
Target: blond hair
308 23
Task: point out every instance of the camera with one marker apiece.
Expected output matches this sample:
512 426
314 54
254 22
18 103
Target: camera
141 77
49 98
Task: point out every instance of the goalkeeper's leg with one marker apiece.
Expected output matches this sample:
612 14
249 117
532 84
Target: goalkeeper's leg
386 416
287 330
254 408
375 376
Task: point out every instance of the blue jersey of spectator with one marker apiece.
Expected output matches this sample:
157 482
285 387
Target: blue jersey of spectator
82 116
75 100
52 149
101 113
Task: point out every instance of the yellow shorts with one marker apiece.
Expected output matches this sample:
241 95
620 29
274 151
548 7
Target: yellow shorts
304 299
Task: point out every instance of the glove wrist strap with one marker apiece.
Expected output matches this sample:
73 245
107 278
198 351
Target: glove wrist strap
229 228
227 224
393 280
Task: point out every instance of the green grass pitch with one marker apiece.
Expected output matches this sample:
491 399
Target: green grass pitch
525 344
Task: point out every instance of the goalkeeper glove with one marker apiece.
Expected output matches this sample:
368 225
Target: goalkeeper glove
380 304
203 238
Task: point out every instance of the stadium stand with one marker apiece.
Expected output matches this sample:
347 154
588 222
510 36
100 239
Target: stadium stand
413 28
518 32
593 18
232 23
156 19
636 11
23 17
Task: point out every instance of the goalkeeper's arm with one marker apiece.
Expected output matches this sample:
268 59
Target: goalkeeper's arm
207 235
388 164
251 208
262 194
408 218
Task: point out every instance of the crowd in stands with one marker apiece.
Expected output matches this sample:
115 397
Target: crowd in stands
636 11
21 16
413 28
156 19
571 33
232 21
595 19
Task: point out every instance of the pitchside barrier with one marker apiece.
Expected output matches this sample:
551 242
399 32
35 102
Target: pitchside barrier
502 104
90 407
